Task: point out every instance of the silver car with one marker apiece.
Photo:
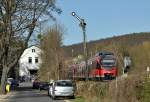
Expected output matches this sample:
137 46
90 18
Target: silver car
63 88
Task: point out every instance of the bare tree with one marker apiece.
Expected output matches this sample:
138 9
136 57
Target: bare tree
18 20
52 55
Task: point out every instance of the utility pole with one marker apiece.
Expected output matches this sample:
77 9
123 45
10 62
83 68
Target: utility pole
48 76
83 26
72 53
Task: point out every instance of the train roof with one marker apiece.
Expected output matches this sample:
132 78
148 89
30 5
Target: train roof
105 53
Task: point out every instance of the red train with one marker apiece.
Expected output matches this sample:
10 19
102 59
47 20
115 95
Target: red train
103 66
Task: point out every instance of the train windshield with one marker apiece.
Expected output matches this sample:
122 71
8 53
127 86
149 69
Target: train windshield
108 62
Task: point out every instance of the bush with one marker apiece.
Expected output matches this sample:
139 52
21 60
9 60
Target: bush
92 91
143 92
79 99
134 88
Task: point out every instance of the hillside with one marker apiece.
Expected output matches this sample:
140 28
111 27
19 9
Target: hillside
127 39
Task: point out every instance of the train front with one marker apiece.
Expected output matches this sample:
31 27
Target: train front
108 68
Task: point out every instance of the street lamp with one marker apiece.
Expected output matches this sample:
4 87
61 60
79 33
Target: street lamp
83 26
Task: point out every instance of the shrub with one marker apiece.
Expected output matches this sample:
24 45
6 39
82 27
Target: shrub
134 88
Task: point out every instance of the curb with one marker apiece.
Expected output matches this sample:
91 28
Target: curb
67 101
3 98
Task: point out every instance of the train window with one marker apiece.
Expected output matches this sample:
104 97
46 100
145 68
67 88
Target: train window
108 62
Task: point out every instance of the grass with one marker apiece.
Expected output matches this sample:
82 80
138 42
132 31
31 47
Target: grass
79 99
90 91
134 88
144 92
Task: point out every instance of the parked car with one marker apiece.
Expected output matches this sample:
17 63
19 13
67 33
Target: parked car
36 84
43 85
63 88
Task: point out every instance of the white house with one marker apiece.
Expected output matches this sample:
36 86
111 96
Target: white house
29 62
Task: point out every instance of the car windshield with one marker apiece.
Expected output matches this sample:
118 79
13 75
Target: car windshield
64 83
108 62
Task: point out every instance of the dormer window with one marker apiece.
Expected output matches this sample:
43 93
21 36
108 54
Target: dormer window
33 50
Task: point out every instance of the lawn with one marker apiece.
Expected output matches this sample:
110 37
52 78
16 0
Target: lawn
78 99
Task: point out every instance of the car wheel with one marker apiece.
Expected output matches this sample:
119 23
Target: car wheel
72 97
48 93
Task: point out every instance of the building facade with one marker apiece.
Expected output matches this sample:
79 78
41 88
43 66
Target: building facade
29 62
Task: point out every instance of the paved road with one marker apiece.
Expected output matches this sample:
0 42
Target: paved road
25 93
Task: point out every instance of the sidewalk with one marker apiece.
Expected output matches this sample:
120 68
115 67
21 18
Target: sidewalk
4 98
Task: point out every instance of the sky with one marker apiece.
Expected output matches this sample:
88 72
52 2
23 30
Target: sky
104 18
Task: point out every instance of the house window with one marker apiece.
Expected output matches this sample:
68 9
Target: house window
30 59
33 50
36 60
